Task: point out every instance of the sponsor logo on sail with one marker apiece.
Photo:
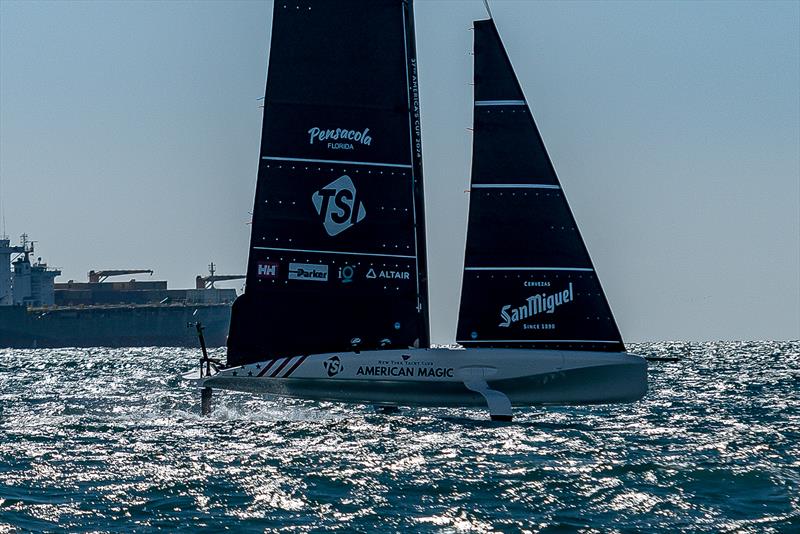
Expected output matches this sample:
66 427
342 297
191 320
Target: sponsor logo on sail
346 138
338 205
267 269
387 274
537 283
346 273
534 305
333 366
308 271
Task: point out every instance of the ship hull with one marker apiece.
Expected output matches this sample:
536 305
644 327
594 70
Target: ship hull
112 326
442 377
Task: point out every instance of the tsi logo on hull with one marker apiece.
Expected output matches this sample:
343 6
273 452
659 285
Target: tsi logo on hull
308 271
338 206
333 366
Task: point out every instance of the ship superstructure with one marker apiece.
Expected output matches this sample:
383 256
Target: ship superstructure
6 250
32 282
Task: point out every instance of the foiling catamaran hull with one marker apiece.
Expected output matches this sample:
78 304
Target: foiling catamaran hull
497 378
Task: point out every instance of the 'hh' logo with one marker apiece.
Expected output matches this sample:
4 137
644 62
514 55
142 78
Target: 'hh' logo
338 206
268 269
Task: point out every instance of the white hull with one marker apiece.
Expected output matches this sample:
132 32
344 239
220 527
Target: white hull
445 377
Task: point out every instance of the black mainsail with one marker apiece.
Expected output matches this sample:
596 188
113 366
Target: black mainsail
337 251
528 279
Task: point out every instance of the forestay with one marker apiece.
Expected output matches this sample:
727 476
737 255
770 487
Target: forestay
337 251
528 279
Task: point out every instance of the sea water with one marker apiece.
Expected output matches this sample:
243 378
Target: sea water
111 440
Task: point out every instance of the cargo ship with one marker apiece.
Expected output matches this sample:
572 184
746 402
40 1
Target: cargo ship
37 312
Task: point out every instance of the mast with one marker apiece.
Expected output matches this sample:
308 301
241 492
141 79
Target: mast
415 130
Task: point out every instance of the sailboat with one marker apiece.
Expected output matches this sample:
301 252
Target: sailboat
336 303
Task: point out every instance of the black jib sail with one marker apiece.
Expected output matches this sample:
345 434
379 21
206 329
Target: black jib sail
337 250
528 279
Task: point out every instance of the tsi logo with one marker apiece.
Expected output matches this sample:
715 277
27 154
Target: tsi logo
267 269
333 365
337 205
308 271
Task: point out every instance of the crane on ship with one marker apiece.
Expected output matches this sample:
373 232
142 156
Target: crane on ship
207 282
101 276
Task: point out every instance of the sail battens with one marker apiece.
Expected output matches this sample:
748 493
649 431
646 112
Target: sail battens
537 341
343 252
580 269
515 186
338 162
500 103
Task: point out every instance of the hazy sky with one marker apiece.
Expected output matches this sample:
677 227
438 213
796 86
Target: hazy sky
129 138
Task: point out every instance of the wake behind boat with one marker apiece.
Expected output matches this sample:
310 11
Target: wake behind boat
336 302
